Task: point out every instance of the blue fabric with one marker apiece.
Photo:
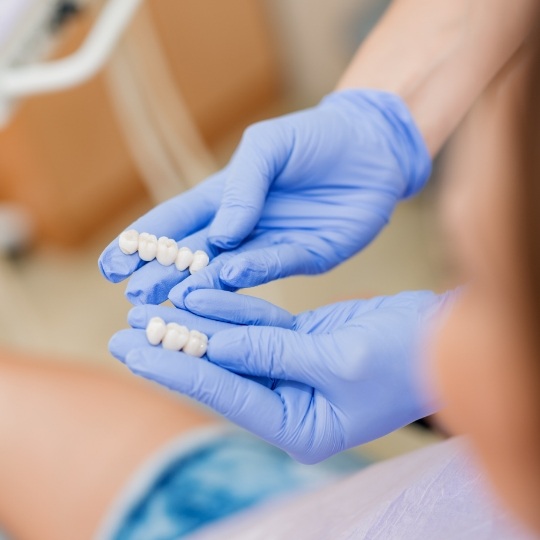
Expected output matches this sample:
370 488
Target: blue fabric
224 476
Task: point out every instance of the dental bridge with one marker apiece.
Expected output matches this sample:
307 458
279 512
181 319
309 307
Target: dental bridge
176 337
164 250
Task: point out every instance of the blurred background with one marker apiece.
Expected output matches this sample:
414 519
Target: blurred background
77 166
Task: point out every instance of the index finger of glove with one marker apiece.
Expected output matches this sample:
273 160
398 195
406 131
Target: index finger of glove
175 218
261 155
237 308
243 401
140 316
270 352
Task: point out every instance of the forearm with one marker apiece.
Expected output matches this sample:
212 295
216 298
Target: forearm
439 55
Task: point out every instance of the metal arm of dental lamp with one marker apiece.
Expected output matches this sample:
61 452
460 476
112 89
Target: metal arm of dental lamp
17 82
164 140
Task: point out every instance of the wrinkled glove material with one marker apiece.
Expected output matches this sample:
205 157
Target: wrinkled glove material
302 193
323 382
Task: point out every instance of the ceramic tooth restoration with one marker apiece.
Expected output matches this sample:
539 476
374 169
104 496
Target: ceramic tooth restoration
128 242
196 344
200 260
183 259
176 337
167 250
155 330
148 245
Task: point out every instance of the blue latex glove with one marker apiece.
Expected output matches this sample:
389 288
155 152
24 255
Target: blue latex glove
330 379
302 193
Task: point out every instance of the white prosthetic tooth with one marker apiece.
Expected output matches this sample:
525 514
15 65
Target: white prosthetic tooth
200 261
184 258
147 246
197 344
204 337
176 337
167 250
128 242
155 330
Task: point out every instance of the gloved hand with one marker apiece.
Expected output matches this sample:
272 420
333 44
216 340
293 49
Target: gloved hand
302 193
330 379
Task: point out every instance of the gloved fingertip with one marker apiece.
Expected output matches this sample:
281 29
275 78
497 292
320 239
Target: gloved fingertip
230 274
135 360
115 348
227 231
177 297
240 274
108 273
223 242
104 271
137 317
136 297
193 303
117 268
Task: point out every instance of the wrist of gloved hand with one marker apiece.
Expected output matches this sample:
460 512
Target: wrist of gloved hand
389 118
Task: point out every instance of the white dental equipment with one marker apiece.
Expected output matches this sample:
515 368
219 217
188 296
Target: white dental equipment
24 40
164 142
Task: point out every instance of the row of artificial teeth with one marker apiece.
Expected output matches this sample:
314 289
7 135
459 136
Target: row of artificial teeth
175 337
164 250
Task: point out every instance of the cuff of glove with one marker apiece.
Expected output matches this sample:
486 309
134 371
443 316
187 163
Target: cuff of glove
406 142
